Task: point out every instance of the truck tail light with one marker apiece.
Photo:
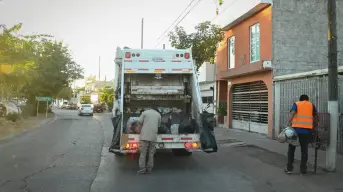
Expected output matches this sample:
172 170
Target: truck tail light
127 55
134 146
188 145
131 146
193 145
187 55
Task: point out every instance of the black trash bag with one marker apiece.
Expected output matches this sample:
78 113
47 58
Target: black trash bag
164 129
207 138
187 126
210 119
115 144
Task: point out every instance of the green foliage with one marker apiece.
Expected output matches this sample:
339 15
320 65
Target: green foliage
65 93
79 89
12 117
27 110
106 96
85 99
35 65
222 108
203 41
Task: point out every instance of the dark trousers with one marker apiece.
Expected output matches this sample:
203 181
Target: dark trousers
304 141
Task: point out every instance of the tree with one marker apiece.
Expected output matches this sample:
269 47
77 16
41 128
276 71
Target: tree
106 95
79 89
35 65
54 70
65 93
16 58
85 99
203 41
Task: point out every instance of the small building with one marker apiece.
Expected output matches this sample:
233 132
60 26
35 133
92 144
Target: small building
266 40
206 79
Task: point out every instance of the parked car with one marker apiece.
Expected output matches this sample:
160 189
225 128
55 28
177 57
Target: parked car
98 108
86 109
73 106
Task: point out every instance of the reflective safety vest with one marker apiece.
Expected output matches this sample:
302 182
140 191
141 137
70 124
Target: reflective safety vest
304 116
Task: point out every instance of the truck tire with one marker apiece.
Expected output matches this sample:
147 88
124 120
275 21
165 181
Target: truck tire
181 152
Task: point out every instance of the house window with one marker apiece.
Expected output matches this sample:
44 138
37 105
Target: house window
231 52
255 43
207 99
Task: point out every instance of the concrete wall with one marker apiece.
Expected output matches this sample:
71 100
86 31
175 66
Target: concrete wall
242 41
300 35
206 72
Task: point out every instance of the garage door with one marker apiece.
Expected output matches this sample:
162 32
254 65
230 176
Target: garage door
250 107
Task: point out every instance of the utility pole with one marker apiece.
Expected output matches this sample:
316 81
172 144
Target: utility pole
164 46
333 86
142 29
99 67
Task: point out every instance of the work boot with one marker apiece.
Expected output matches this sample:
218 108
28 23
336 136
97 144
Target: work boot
149 171
142 171
288 171
303 172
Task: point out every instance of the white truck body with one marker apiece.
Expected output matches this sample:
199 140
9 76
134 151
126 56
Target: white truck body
166 77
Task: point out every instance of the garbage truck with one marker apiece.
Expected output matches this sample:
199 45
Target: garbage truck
166 79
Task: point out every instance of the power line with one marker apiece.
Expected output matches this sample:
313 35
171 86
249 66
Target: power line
179 21
176 19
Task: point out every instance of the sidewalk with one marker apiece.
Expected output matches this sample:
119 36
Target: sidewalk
262 141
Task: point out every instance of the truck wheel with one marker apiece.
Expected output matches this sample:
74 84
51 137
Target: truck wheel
181 152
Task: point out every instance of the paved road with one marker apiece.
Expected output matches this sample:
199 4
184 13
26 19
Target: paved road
71 154
61 156
235 168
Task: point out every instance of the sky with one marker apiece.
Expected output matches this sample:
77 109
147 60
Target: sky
94 28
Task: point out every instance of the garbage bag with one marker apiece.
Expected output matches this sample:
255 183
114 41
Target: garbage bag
133 126
207 138
164 129
282 137
209 118
186 126
288 135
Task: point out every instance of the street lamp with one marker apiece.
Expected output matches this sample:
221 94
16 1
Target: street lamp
212 88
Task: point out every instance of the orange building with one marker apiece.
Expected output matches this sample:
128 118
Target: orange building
244 76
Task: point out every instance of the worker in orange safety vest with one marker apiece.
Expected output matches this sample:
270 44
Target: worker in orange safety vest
303 118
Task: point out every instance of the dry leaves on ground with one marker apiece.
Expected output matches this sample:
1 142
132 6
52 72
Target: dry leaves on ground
9 128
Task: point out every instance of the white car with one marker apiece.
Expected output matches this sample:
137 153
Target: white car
86 109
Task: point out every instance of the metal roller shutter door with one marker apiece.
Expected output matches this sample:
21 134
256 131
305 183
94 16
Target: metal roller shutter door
250 107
